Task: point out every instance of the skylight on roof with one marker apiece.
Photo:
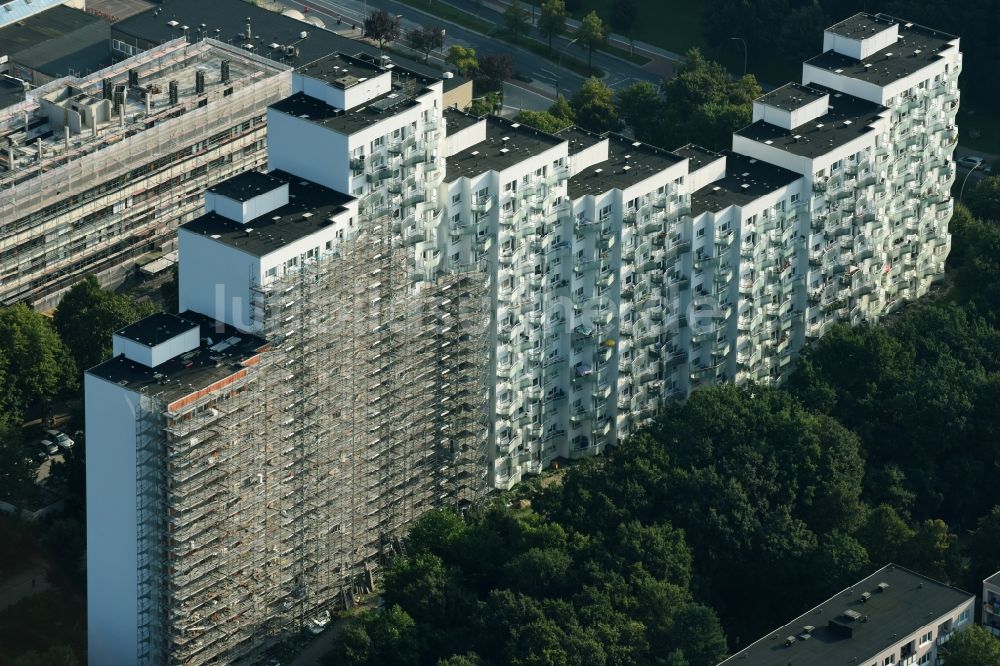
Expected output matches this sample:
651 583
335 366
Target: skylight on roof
838 71
637 143
515 125
745 186
768 142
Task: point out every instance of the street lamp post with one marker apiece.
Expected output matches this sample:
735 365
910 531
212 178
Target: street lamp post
744 43
961 192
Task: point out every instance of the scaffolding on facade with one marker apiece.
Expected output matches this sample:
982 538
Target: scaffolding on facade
292 483
78 202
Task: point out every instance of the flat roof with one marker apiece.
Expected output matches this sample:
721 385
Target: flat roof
697 156
176 61
580 139
456 121
746 179
226 20
191 371
847 118
247 185
406 87
911 601
629 162
340 70
505 146
916 48
57 41
791 96
861 25
156 329
42 27
309 209
994 579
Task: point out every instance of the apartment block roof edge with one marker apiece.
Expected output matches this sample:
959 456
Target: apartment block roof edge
833 632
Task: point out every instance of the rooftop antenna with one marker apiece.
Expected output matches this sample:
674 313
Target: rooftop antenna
249 35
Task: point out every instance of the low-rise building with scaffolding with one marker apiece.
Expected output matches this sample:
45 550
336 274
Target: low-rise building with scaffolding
97 171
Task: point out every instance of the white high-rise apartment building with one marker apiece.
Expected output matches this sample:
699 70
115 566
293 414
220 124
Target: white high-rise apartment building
414 305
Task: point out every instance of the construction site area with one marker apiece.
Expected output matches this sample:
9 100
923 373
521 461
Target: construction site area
85 184
278 473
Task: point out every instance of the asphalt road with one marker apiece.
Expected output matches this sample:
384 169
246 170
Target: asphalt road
545 74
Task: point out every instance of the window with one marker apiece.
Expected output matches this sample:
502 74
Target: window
962 618
891 659
701 232
925 658
272 272
795 198
926 638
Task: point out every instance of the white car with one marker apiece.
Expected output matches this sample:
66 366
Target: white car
971 161
318 623
61 439
49 447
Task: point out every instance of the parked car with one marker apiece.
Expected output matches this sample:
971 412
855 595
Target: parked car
41 455
61 439
49 447
971 161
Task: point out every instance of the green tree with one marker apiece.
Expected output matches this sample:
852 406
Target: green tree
516 19
87 317
561 109
640 106
931 551
552 19
704 105
594 108
17 468
470 659
973 646
38 366
543 120
884 535
591 35
983 199
464 59
382 26
983 547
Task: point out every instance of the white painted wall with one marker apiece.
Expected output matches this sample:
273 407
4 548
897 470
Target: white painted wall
790 119
302 147
214 279
588 157
707 173
464 138
371 87
861 48
244 211
112 537
152 356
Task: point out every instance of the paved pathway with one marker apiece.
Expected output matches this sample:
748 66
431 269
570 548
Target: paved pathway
21 586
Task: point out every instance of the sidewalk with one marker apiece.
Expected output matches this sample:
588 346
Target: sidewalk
661 61
22 586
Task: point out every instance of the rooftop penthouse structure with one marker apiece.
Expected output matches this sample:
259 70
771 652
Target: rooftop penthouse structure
414 305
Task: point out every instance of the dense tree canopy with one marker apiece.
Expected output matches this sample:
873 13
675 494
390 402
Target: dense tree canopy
34 362
464 59
881 449
975 646
594 108
88 315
